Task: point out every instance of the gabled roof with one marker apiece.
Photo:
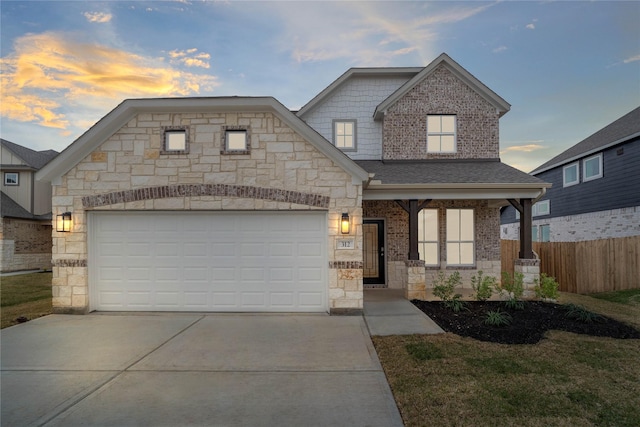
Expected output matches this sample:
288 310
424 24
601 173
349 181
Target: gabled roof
31 158
128 109
624 129
500 104
406 72
9 208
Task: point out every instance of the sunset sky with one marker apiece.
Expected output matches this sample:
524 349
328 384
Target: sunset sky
568 68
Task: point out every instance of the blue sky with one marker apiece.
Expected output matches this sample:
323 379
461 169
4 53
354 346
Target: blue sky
568 68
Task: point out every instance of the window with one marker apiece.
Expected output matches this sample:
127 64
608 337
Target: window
344 134
542 207
441 134
545 233
534 233
11 178
570 175
236 140
428 236
460 237
176 140
592 167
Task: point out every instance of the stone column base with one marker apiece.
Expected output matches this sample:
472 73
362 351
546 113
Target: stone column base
416 284
530 268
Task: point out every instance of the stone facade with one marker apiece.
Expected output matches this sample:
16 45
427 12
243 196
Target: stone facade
405 124
25 244
609 224
281 171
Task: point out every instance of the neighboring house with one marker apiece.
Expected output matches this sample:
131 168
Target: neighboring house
387 177
596 188
25 223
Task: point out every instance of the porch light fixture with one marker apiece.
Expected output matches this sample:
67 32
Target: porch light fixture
345 224
63 222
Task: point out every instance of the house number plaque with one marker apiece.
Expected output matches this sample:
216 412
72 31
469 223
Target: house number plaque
345 243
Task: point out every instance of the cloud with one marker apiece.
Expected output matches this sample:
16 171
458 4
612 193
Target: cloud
98 17
526 148
532 25
190 58
632 59
366 33
499 49
51 74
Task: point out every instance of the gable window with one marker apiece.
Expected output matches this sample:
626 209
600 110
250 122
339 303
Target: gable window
570 175
11 178
428 236
344 134
441 134
460 237
236 140
592 167
176 140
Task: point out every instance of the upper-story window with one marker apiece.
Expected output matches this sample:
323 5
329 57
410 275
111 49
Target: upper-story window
176 140
344 134
11 178
236 140
570 175
441 134
592 167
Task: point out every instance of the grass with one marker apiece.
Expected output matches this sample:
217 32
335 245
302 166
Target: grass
565 380
24 295
629 297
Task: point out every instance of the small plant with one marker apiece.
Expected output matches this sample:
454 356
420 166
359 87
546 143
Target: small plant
444 288
483 286
497 318
581 314
547 287
513 287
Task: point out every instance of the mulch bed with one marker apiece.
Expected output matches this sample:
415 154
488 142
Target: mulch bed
528 326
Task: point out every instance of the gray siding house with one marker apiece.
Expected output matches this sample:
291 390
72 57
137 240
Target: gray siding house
596 188
385 178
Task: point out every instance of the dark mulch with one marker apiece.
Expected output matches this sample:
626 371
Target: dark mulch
528 326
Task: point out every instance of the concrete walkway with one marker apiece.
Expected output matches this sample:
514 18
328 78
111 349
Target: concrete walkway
193 370
387 312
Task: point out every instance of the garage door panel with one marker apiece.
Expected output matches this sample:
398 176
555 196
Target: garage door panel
233 261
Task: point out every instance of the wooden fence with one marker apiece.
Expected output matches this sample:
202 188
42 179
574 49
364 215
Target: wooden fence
585 267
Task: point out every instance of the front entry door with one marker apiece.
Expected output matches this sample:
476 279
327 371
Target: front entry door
373 243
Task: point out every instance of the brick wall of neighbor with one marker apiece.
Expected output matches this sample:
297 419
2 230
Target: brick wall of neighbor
281 172
405 123
609 224
24 244
487 231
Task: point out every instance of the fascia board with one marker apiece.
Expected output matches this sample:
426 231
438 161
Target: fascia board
128 109
586 153
453 191
501 105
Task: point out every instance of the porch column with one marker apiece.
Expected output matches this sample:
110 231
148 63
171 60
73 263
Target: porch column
524 207
413 208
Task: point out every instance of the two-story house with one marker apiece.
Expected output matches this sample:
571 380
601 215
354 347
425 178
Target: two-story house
25 220
596 188
387 177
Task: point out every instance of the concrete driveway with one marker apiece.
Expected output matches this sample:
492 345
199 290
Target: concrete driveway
192 369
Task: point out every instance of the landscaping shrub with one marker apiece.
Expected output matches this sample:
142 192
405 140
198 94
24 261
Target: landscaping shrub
547 287
497 318
581 314
444 288
513 287
483 286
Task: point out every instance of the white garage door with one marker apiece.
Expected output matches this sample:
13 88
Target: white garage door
232 261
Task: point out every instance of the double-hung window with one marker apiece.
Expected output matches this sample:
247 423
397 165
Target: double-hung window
441 134
428 236
344 134
460 237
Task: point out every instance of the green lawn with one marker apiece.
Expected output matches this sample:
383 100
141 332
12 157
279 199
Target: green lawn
564 380
24 295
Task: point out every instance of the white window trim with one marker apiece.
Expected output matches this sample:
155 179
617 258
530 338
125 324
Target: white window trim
584 168
535 209
437 241
473 242
354 123
577 181
454 134
12 184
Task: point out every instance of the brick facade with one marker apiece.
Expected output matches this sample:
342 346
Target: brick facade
405 123
281 171
25 244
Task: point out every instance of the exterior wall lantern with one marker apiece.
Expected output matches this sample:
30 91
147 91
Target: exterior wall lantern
63 222
345 225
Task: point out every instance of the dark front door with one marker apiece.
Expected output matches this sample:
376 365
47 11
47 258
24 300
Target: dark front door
373 248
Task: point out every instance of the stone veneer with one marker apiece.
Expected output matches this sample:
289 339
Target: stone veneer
281 171
24 244
405 123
